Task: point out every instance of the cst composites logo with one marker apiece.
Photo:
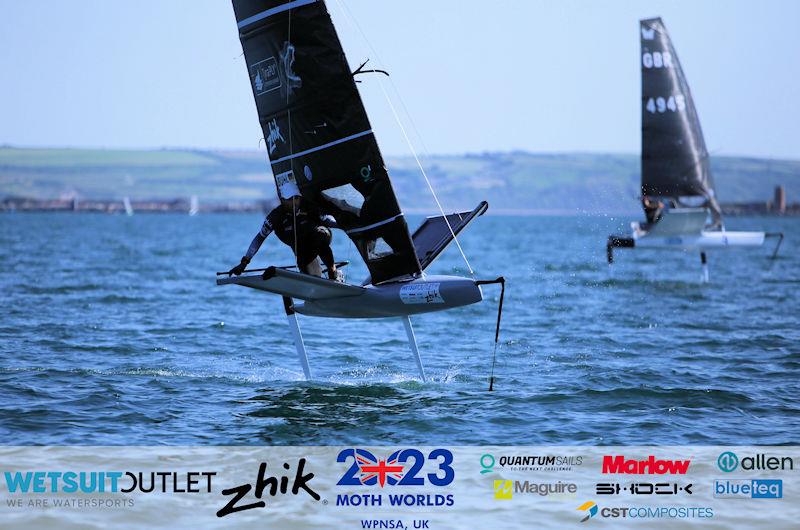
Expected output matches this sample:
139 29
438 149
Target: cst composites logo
649 466
730 462
400 469
590 509
529 463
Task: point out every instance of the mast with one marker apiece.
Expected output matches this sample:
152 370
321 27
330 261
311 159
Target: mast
675 161
316 129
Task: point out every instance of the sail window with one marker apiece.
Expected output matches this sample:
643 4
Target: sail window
345 198
378 249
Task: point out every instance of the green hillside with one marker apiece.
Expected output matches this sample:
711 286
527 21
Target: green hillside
509 181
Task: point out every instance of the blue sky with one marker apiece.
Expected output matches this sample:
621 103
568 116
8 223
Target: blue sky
543 76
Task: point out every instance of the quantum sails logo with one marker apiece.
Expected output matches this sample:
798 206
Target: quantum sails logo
489 463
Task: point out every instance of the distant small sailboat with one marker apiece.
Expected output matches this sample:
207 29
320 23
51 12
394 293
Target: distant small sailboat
126 202
194 205
318 137
677 187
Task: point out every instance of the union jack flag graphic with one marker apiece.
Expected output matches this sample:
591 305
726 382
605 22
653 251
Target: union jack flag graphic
376 471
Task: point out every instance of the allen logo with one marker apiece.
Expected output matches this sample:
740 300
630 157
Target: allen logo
503 490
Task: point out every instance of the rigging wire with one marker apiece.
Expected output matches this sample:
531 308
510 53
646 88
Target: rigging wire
291 149
353 22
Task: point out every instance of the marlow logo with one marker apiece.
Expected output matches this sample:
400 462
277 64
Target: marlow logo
590 508
503 489
651 466
728 462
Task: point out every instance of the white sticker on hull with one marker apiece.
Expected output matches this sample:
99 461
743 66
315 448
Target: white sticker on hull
421 293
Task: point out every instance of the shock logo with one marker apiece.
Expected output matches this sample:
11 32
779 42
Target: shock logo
400 468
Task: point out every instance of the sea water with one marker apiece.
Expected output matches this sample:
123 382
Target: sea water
113 331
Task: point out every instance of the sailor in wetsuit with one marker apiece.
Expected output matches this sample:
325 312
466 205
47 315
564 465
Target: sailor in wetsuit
652 210
298 224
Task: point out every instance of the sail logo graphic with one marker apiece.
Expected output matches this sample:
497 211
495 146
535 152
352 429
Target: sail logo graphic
651 466
648 33
401 468
503 490
590 508
287 58
265 76
274 135
421 293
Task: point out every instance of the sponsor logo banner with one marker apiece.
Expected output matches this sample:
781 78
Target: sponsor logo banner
398 487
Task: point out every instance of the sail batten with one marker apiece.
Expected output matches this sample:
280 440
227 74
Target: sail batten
316 129
675 161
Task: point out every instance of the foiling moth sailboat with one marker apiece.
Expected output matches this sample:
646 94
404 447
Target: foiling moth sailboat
319 137
676 175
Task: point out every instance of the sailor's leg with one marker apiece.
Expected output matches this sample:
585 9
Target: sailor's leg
412 342
297 336
704 262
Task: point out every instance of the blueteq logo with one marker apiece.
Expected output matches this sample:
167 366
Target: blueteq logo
748 489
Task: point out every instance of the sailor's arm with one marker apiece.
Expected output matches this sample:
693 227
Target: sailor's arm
258 240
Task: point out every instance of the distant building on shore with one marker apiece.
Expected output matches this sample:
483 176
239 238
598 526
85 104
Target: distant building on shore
777 206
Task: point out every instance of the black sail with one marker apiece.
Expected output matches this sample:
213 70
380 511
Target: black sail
316 130
675 161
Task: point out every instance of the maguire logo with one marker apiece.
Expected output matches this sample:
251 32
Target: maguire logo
530 462
401 468
590 508
729 462
651 466
748 489
503 490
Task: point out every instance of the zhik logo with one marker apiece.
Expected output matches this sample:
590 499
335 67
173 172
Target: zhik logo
401 468
590 508
273 487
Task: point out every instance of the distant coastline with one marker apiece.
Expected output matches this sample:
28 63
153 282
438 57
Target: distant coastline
514 183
